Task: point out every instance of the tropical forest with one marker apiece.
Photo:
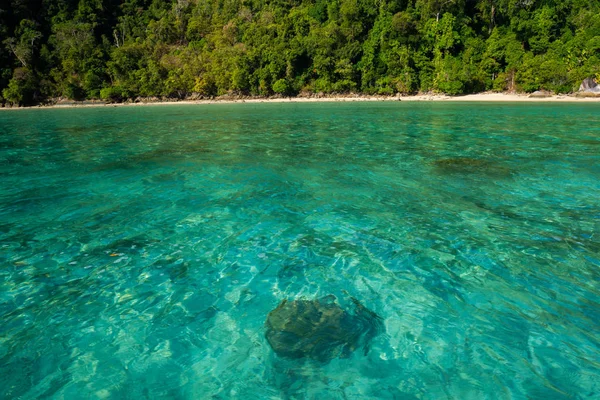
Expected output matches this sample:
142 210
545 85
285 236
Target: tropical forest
118 50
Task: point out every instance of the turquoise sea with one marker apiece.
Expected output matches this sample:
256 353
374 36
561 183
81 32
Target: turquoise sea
143 247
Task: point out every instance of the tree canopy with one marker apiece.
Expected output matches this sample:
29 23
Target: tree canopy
122 49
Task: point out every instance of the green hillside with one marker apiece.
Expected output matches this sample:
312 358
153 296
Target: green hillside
118 50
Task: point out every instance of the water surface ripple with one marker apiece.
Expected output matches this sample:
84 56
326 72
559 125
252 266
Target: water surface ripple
143 247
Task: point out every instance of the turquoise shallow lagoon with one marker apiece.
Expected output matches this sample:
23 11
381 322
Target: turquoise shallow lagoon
143 247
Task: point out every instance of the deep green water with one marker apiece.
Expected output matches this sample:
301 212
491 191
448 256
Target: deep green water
142 248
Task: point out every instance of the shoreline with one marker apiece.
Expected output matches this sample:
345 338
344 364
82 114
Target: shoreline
479 97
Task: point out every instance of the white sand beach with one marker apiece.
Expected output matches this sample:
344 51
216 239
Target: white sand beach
479 97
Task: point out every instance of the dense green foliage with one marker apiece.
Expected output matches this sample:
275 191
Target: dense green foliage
119 49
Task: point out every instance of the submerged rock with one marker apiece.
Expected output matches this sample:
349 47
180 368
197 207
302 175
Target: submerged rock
465 165
461 163
320 329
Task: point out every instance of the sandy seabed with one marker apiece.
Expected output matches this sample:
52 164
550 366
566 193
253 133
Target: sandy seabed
480 97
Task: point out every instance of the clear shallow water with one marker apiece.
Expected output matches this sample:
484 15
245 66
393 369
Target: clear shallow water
142 248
